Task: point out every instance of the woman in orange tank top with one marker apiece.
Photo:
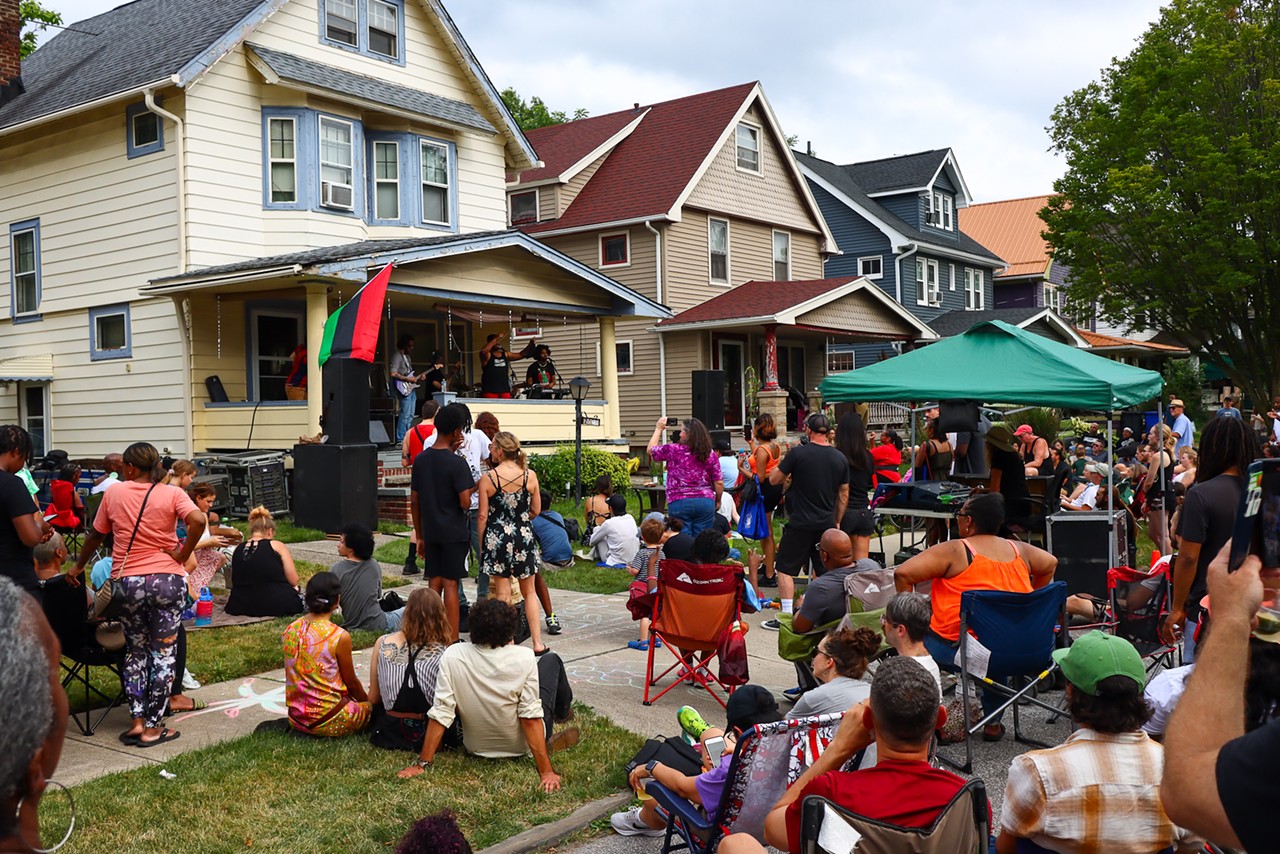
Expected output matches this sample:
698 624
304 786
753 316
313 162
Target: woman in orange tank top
980 560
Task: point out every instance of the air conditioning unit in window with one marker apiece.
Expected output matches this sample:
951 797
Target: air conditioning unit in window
936 300
337 195
930 217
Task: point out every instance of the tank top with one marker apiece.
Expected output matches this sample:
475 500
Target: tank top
769 466
937 464
982 573
259 587
418 437
494 376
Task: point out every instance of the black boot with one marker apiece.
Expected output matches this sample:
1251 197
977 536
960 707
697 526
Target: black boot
411 562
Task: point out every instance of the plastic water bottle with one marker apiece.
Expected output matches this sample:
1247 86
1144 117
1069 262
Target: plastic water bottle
204 608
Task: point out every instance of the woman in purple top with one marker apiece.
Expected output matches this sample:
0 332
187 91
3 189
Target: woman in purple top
694 477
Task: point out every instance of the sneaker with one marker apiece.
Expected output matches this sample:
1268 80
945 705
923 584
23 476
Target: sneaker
189 682
769 581
793 694
553 625
771 625
691 722
411 569
564 739
630 823
642 645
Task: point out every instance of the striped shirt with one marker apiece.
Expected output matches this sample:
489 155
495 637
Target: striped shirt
393 663
1096 792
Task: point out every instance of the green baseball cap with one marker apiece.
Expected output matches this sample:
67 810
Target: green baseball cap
1098 656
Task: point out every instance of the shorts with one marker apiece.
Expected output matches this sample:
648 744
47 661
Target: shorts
798 549
496 395
858 523
445 560
771 494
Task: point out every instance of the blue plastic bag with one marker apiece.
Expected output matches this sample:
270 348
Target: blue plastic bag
753 519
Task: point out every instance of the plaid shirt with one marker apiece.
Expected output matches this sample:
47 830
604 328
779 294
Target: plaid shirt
1096 792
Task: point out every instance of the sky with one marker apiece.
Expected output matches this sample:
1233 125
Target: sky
856 80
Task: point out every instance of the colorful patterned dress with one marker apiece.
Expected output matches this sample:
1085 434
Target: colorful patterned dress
318 700
510 548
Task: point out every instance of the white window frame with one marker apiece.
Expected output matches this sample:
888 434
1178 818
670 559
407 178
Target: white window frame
378 214
980 295
974 299
254 344
1052 297
350 167
537 206
935 209
273 161
776 234
879 259
927 282
395 28
728 252
25 418
631 351
951 277
626 236
948 221
737 148
355 21
34 273
446 186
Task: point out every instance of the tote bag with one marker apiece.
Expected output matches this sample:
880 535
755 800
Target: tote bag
753 519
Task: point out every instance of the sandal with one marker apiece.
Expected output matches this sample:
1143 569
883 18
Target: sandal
538 653
989 734
166 735
130 739
196 705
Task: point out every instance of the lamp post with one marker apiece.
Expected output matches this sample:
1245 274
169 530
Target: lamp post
578 388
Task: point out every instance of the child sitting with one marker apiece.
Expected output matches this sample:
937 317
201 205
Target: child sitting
644 566
67 508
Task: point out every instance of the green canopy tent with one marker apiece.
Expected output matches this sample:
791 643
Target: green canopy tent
997 363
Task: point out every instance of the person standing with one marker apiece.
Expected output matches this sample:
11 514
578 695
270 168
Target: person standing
1228 409
694 478
816 501
1158 485
406 384
971 448
851 440
440 492
765 456
542 373
1184 432
475 450
22 529
495 367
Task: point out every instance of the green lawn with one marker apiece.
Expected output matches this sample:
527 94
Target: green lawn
277 792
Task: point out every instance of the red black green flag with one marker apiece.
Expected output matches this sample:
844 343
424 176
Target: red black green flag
351 332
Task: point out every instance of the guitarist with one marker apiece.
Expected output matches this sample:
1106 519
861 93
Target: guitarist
404 384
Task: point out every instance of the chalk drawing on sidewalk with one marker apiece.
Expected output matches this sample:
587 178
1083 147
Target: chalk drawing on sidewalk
271 701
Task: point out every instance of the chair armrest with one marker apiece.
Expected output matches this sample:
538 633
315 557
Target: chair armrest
689 813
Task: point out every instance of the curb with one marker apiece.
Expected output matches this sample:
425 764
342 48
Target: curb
547 835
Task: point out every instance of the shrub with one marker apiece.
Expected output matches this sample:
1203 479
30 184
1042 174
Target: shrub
1184 378
555 470
1043 421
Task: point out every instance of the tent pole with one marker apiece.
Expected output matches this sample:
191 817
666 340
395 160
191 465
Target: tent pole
1111 486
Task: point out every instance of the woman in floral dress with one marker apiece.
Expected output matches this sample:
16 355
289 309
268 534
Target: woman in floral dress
322 691
508 548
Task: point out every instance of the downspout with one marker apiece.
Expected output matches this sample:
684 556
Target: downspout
662 341
184 308
897 269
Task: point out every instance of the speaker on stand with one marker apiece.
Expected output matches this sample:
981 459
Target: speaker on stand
345 395
708 398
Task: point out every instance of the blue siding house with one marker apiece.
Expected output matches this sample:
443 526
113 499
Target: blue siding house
896 221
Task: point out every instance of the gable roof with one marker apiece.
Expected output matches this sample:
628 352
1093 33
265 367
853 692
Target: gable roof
1012 229
906 172
840 181
959 322
561 146
1098 341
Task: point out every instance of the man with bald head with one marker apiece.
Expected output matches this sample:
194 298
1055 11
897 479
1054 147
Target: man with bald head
113 465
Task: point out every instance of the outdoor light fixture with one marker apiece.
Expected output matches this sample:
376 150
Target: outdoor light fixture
578 388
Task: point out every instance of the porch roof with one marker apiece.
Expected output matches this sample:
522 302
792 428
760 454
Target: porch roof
27 368
1100 343
810 303
352 262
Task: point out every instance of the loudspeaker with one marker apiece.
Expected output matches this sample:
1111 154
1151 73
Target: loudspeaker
1081 543
957 416
345 418
334 485
378 433
708 398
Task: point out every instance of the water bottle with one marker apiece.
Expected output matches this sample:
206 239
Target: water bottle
204 608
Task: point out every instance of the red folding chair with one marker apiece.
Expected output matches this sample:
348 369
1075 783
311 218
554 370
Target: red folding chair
693 606
1139 602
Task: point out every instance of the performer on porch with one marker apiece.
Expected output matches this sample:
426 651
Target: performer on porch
542 374
495 366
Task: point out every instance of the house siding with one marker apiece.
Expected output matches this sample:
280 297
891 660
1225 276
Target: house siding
909 207
855 238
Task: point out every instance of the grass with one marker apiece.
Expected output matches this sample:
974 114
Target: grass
275 791
287 532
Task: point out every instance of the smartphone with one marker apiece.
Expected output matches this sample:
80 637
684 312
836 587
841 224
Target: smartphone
51 517
673 421
715 749
1257 529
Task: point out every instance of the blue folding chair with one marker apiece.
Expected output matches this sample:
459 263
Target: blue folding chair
1020 630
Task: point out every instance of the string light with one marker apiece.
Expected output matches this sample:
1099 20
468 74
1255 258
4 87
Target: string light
218 311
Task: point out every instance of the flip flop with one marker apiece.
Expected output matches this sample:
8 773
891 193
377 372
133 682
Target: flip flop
538 653
196 705
129 738
166 735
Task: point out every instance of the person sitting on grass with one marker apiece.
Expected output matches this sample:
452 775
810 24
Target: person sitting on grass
614 541
264 581
905 622
403 671
361 579
722 527
554 552
644 568
435 834
747 706
899 718
507 699
322 692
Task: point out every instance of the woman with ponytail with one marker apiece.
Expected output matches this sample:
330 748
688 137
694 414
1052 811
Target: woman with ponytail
264 582
322 691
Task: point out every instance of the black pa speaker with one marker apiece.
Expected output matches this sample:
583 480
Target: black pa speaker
346 401
1080 542
334 485
708 398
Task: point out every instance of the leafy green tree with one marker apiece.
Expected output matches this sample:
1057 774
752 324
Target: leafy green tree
34 18
1170 207
534 113
1184 379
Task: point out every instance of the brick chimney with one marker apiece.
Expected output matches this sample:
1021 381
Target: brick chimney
10 51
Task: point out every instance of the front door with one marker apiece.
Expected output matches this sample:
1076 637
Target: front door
732 361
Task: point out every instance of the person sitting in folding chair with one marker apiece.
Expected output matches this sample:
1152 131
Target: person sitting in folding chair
748 706
1100 790
900 717
979 560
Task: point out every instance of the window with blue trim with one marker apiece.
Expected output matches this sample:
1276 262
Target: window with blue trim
110 333
373 28
24 270
144 131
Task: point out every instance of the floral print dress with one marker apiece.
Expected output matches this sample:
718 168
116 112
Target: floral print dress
509 548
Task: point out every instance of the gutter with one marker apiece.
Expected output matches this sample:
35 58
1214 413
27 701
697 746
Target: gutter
80 108
897 268
662 342
229 279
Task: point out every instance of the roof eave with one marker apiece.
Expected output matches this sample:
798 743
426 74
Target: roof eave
602 149
122 95
596 226
195 69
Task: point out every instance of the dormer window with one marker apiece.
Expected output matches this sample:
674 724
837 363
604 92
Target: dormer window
748 144
941 211
372 28
524 207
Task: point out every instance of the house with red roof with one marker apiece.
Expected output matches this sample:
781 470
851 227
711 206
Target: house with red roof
697 204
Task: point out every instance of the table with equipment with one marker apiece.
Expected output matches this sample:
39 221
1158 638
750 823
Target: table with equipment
657 499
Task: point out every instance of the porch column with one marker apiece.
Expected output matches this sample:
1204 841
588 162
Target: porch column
609 376
317 313
770 357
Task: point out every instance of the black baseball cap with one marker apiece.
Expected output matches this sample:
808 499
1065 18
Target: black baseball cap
818 423
751 705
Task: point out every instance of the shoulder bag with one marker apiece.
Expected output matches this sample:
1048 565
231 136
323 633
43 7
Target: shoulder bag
108 602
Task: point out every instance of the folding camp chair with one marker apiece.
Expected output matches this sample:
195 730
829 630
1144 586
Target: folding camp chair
1020 631
66 608
766 760
1139 602
694 605
962 827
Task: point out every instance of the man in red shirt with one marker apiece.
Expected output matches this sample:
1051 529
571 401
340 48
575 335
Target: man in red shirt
903 788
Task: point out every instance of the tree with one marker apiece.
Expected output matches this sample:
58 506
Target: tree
534 113
34 18
1170 206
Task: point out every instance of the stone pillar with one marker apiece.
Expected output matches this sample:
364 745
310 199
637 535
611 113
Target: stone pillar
770 358
317 314
774 402
609 377
815 401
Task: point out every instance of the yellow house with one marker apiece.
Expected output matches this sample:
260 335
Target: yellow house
191 188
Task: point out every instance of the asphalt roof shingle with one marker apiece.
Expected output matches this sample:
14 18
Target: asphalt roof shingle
757 299
295 69
142 42
560 146
958 322
906 172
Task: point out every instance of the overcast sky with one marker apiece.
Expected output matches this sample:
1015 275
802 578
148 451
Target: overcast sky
857 80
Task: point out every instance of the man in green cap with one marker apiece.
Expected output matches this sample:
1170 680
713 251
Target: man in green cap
1100 790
